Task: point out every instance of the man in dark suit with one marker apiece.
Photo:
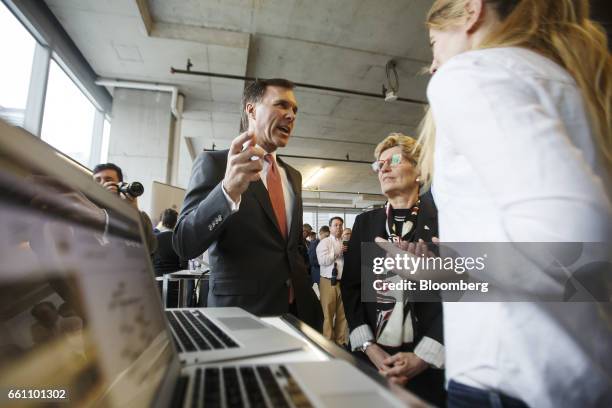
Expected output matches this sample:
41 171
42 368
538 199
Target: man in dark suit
245 206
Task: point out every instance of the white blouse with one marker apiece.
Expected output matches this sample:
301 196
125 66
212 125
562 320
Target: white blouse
515 162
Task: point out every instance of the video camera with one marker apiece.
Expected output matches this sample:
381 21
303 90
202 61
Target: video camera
134 189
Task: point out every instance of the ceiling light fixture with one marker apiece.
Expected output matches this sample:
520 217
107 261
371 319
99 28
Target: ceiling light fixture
390 93
314 176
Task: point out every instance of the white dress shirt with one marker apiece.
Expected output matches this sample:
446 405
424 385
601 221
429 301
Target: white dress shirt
288 193
329 251
515 161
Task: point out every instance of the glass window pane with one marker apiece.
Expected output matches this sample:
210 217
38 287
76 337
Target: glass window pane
350 220
17 46
310 218
69 116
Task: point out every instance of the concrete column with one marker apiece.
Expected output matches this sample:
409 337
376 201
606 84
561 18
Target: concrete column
35 106
186 157
140 136
175 144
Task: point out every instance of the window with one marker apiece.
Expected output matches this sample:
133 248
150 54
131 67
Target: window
349 220
68 117
16 69
310 218
105 142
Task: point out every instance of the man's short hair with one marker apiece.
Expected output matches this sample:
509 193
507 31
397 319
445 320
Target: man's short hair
307 227
169 218
109 166
254 93
312 234
335 218
324 228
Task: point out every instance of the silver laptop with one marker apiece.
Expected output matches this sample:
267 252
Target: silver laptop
81 321
213 334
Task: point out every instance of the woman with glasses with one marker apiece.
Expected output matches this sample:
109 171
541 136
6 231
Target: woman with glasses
401 338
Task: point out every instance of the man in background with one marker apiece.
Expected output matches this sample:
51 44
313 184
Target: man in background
330 254
312 255
306 230
110 176
346 235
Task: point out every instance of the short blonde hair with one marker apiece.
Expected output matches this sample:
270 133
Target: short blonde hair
411 150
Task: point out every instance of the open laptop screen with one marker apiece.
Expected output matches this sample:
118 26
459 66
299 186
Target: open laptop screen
79 313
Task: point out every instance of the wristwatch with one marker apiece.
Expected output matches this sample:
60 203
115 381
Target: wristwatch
365 346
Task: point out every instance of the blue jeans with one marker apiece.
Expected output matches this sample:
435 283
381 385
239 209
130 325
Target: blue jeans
464 396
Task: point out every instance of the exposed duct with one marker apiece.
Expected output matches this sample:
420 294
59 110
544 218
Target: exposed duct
117 83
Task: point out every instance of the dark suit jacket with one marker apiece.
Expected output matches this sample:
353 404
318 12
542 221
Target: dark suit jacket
315 268
250 261
427 317
165 259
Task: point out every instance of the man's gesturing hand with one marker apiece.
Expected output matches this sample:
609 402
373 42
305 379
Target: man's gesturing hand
241 170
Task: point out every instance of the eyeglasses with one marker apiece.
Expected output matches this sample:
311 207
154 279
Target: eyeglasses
393 161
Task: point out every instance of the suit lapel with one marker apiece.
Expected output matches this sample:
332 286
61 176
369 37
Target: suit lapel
380 223
427 226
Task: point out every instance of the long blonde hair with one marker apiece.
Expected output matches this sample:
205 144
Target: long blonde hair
557 29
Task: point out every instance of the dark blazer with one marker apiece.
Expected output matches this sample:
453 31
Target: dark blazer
426 316
368 226
165 259
250 261
315 268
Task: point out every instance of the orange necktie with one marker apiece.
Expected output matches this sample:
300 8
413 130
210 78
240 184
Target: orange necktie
275 190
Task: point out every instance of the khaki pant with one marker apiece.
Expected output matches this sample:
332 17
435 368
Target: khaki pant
334 326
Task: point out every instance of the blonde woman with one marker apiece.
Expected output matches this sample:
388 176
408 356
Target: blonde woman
521 99
400 337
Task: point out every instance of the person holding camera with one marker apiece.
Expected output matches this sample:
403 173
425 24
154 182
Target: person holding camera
330 254
110 176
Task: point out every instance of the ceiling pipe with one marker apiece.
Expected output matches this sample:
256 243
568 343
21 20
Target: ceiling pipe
325 159
297 84
315 158
316 190
147 86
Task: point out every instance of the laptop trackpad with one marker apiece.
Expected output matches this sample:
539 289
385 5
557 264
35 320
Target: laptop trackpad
241 323
353 400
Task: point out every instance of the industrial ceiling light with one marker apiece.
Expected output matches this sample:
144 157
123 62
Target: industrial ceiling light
390 93
317 173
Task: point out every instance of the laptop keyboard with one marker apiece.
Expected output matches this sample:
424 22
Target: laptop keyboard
246 386
195 332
